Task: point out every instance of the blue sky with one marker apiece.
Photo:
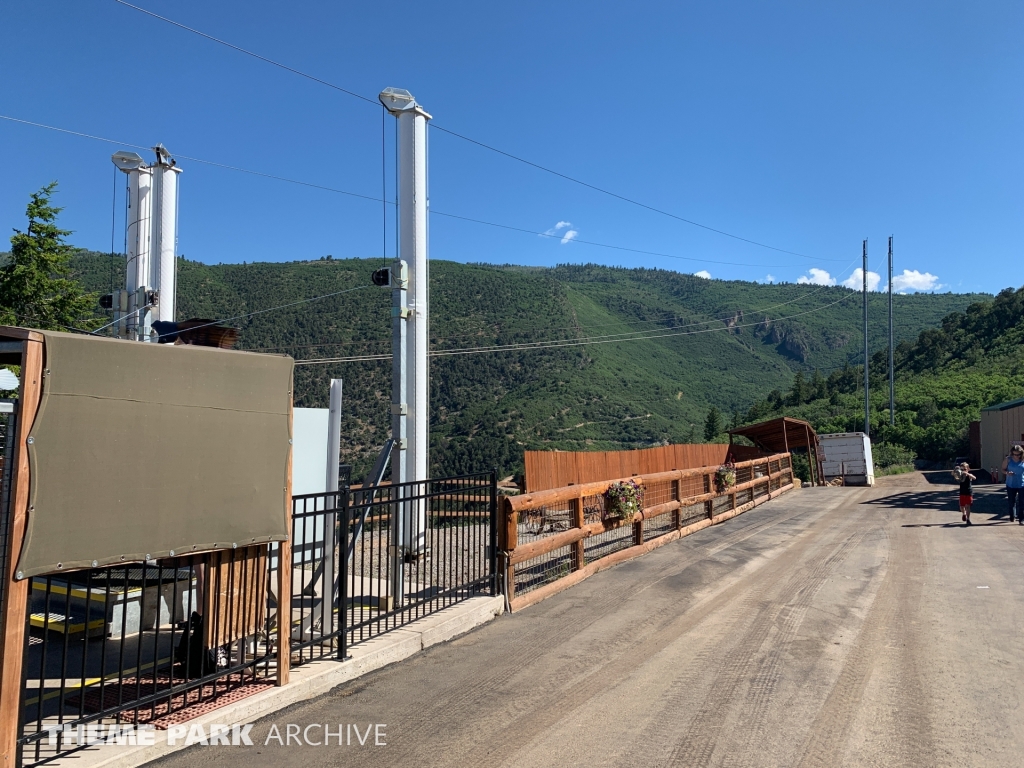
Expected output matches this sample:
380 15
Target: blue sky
807 126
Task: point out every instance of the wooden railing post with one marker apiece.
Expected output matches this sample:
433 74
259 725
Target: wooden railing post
509 536
12 617
576 520
677 515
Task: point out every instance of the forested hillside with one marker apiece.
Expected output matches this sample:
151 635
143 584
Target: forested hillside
944 378
712 343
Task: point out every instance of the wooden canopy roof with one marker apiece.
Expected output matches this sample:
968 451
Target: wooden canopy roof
779 435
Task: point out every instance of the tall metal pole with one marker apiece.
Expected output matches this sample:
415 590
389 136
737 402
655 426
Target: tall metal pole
139 233
867 394
165 233
892 368
412 243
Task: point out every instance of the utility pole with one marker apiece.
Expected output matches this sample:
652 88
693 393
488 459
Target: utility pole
892 369
411 386
867 395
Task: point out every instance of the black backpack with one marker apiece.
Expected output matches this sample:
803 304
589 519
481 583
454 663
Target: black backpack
195 660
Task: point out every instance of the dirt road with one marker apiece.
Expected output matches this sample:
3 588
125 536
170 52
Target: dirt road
833 626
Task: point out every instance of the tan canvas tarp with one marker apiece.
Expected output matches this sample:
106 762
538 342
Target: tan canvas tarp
140 450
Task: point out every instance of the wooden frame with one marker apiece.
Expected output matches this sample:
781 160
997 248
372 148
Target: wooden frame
513 554
15 603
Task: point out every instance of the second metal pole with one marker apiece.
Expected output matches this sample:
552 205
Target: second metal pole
867 394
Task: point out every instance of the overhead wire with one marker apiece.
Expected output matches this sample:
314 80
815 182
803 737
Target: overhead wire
481 144
528 329
382 200
561 343
247 52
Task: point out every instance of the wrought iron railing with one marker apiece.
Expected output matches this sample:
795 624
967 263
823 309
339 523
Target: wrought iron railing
369 560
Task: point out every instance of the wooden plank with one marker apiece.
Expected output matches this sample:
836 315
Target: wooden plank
561 495
12 618
21 334
234 606
535 596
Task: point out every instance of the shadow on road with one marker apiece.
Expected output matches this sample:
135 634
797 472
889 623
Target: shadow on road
989 501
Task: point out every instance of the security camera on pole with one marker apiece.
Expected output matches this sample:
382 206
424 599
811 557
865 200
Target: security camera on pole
411 385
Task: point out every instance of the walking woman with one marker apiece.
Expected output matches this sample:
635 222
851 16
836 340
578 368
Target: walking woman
1013 468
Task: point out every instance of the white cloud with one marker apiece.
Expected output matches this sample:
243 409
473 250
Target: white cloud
912 280
817 277
568 236
703 273
769 278
856 280
557 228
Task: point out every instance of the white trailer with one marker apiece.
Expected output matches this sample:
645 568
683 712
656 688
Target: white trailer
847 455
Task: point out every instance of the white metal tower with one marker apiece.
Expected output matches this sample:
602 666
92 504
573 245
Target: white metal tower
152 224
410 406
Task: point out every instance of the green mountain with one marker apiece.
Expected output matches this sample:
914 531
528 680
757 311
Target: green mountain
972 359
711 343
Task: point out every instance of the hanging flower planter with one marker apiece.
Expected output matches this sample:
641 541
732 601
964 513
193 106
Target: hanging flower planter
725 478
624 499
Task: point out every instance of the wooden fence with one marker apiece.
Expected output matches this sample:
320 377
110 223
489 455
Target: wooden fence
557 469
553 539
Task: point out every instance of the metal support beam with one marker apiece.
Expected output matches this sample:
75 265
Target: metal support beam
867 360
892 369
414 317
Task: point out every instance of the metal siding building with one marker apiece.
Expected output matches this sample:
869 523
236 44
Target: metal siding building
1001 426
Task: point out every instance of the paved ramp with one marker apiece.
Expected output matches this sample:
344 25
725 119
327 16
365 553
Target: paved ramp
833 626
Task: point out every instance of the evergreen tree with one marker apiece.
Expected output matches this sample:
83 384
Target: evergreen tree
798 394
819 386
712 424
37 289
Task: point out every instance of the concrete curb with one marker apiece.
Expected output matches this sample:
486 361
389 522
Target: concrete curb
311 680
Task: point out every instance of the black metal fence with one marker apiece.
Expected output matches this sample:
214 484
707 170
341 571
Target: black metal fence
8 411
156 643
366 561
137 644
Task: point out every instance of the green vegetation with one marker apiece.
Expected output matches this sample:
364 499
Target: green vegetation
971 359
713 344
37 287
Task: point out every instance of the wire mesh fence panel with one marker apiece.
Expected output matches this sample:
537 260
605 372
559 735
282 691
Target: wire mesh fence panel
143 644
692 514
658 526
721 504
544 569
658 493
608 542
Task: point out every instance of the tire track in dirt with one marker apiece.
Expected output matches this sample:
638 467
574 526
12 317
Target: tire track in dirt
548 706
744 663
884 627
467 698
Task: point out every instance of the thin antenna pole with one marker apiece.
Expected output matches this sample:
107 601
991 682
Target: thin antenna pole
867 398
892 370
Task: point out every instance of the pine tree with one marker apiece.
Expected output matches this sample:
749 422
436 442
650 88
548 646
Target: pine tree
712 424
37 289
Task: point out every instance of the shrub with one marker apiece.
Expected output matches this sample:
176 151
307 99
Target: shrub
889 455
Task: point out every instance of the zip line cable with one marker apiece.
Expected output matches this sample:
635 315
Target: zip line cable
559 344
634 334
388 202
509 155
298 72
624 198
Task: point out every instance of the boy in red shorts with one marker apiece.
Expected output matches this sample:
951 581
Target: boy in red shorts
966 492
